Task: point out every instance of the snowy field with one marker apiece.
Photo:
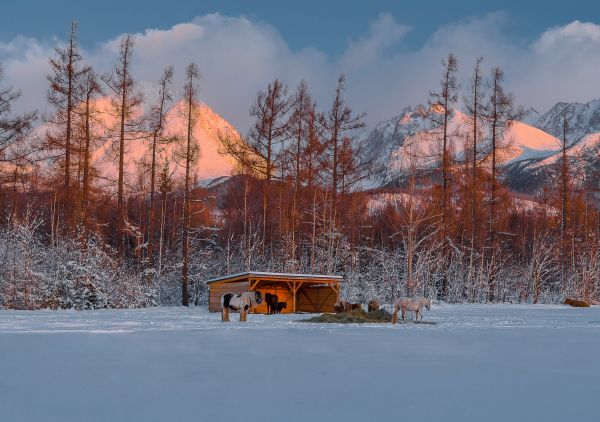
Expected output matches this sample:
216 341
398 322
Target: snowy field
476 363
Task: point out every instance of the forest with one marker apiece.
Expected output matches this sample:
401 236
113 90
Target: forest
301 198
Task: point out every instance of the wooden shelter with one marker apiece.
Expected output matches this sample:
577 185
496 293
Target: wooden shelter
302 292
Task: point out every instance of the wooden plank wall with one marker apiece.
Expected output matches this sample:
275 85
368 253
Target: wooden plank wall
316 299
216 290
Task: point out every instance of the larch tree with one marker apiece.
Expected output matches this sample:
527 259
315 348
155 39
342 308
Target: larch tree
441 104
269 131
499 113
473 102
564 200
189 153
299 125
165 186
15 154
66 70
314 147
12 127
440 111
89 89
313 169
260 152
339 123
159 141
473 106
125 102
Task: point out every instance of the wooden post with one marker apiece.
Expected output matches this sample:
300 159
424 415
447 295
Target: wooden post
252 285
295 290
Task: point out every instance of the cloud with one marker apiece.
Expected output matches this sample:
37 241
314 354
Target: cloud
384 32
238 56
576 33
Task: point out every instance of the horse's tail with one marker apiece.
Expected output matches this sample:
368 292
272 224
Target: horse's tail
395 315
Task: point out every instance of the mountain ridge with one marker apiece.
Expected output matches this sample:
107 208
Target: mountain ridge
211 164
532 142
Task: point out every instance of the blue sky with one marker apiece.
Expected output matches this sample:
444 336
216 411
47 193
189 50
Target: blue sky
324 24
390 51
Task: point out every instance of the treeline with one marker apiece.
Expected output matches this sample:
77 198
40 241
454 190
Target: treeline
297 203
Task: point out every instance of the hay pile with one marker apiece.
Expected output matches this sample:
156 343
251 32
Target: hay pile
357 316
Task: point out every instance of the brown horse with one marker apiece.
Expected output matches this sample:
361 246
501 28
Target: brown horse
343 306
271 300
373 305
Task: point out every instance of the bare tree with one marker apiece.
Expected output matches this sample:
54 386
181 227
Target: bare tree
500 113
339 124
15 150
125 101
440 112
271 128
299 131
441 104
473 107
564 201
66 69
157 124
89 89
541 263
165 186
13 128
259 153
315 147
189 154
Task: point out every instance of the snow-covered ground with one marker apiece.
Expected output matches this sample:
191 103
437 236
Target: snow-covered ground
476 363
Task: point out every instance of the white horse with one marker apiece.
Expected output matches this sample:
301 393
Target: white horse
241 303
414 304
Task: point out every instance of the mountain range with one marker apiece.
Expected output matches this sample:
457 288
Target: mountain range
532 145
394 146
210 165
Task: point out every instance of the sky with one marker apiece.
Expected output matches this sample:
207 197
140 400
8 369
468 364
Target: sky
390 51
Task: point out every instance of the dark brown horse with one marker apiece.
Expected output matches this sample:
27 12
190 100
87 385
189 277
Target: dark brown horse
373 305
271 300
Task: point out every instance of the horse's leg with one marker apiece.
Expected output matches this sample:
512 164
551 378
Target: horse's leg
403 314
225 314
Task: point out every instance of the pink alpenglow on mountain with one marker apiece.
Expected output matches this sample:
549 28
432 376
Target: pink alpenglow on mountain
209 126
